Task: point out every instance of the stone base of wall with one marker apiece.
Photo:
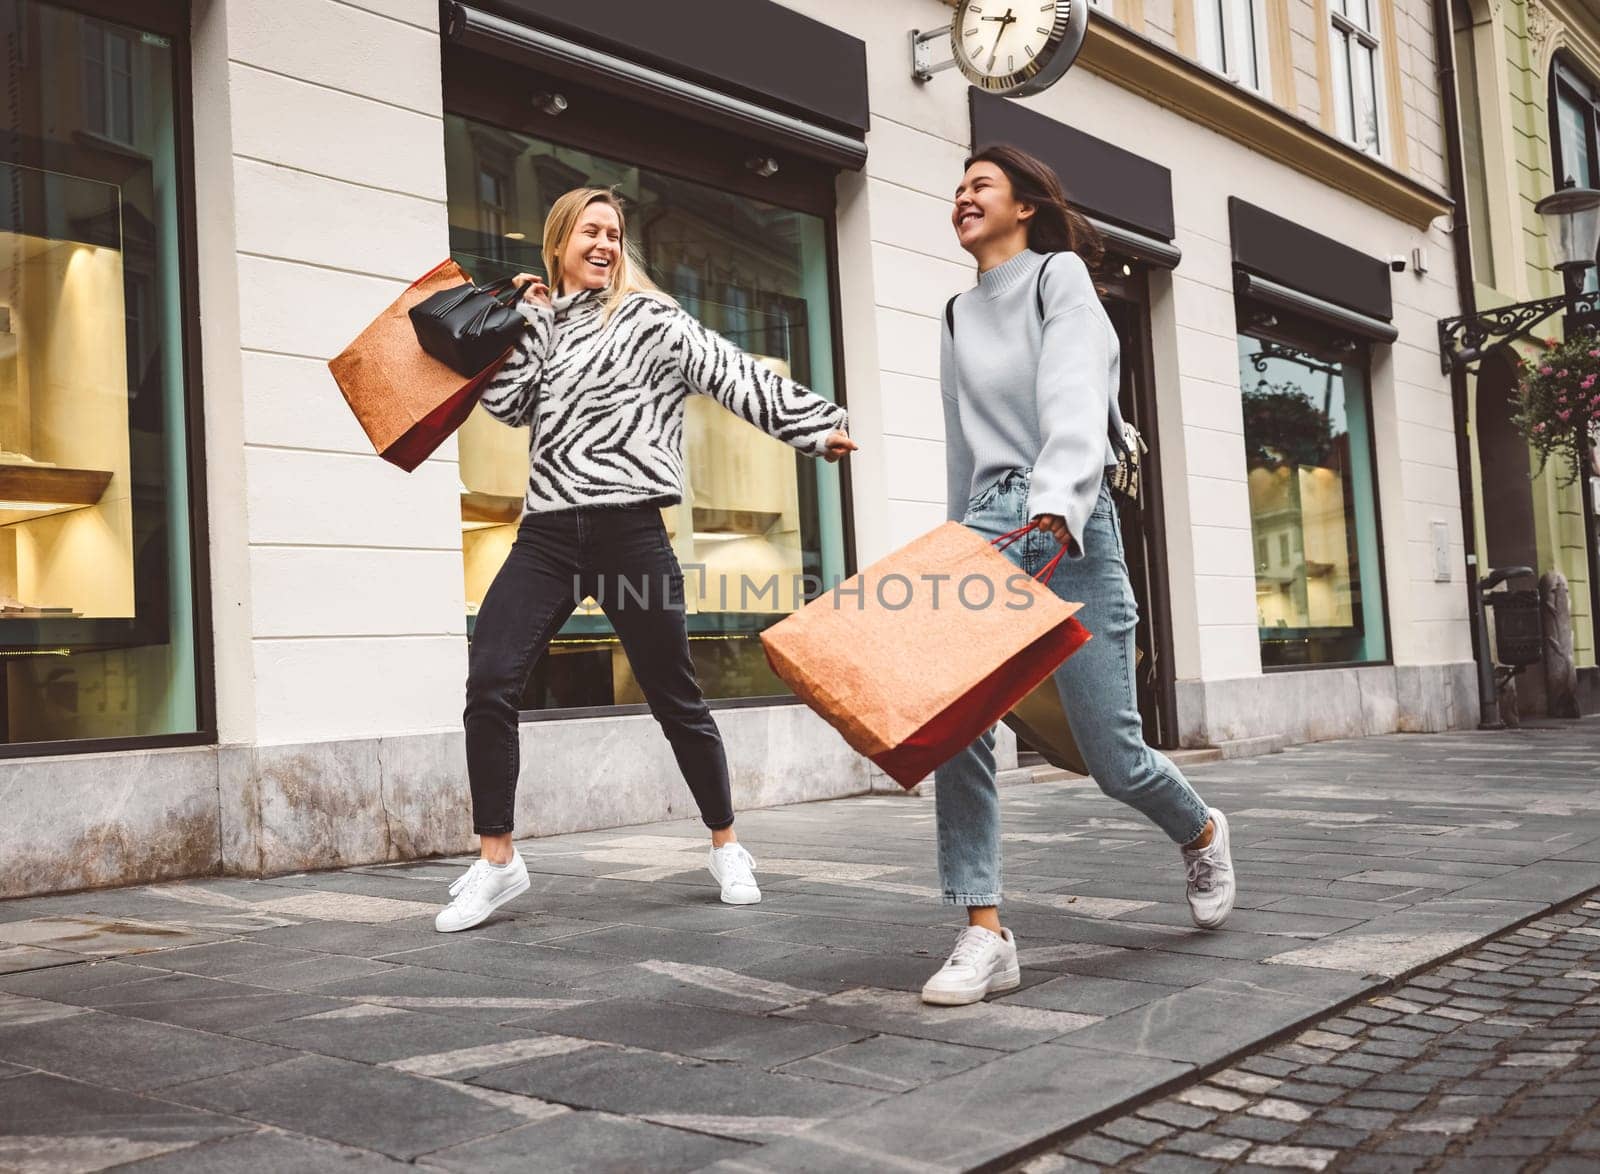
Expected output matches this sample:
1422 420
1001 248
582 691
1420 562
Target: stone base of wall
1316 705
139 816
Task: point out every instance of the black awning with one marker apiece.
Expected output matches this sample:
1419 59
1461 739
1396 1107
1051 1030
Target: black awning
751 67
1291 255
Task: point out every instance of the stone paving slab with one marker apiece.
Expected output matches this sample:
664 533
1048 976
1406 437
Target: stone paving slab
617 1013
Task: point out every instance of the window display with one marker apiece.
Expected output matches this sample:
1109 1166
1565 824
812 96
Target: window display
96 610
1308 444
757 518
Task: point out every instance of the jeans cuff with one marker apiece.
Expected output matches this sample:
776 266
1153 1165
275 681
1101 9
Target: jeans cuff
971 899
504 829
1205 818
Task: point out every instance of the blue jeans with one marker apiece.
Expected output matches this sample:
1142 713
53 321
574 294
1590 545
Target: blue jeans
1097 692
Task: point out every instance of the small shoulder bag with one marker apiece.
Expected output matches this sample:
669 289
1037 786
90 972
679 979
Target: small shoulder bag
1129 445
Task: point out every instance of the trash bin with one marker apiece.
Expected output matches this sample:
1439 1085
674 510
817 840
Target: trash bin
1518 629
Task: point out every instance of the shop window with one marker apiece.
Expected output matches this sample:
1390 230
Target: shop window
1357 108
97 607
1313 501
754 511
1230 34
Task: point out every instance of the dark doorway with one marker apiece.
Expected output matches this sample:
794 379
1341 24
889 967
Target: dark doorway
1503 456
1143 526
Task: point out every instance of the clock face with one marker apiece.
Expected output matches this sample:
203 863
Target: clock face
1017 47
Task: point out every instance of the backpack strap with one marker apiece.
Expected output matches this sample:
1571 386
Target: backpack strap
1038 287
950 316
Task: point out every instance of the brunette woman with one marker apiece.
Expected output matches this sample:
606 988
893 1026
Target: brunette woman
1029 371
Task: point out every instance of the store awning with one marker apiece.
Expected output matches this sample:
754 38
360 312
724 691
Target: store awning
1284 297
679 90
1280 258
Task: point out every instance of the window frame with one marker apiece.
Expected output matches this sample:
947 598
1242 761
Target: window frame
1218 22
169 19
1351 34
1566 76
1266 324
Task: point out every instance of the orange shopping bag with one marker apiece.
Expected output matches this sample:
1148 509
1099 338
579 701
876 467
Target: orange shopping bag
407 401
920 653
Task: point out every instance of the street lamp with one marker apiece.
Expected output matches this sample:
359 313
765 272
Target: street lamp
1572 224
1572 221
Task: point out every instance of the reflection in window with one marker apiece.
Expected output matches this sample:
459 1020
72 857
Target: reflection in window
754 510
1308 445
108 82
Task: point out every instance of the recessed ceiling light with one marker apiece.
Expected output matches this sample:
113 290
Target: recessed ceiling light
516 236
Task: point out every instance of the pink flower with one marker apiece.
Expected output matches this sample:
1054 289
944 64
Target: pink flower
1588 382
1538 427
1561 374
1546 370
1564 416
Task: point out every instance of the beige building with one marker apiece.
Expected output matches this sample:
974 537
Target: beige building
1257 167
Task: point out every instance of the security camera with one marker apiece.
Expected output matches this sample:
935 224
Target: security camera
1399 263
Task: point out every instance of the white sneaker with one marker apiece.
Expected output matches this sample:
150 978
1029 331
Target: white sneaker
982 961
1210 872
480 891
734 869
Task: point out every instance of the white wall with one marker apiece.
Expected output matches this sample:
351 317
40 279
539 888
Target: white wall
320 171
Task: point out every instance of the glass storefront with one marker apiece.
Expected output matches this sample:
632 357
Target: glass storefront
97 615
755 513
1313 502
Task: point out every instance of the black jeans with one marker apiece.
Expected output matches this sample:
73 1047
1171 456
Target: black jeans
621 557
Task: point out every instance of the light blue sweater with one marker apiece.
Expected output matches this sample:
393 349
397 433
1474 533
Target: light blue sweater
1024 393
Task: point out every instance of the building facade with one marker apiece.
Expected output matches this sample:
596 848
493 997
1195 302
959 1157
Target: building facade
241 645
1528 85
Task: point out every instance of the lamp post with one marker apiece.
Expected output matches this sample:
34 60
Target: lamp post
1572 225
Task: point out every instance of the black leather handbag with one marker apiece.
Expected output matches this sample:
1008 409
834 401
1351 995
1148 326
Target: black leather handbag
469 326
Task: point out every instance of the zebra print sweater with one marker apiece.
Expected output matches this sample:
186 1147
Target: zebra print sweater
606 399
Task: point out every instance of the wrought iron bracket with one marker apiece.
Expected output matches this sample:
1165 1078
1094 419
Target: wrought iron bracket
1467 338
1272 350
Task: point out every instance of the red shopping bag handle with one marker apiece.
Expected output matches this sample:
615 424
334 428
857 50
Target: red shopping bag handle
1046 572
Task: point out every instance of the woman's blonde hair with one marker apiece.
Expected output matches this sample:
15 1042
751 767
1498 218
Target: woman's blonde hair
629 276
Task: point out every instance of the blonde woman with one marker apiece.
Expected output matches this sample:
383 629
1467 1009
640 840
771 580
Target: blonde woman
601 376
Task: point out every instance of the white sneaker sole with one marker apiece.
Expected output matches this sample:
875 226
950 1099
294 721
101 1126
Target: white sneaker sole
736 899
1216 920
510 894
1005 980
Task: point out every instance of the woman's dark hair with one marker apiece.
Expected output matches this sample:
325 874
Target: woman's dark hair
1056 227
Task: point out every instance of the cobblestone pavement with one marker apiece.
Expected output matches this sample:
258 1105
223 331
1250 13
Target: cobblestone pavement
618 1017
1490 1063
